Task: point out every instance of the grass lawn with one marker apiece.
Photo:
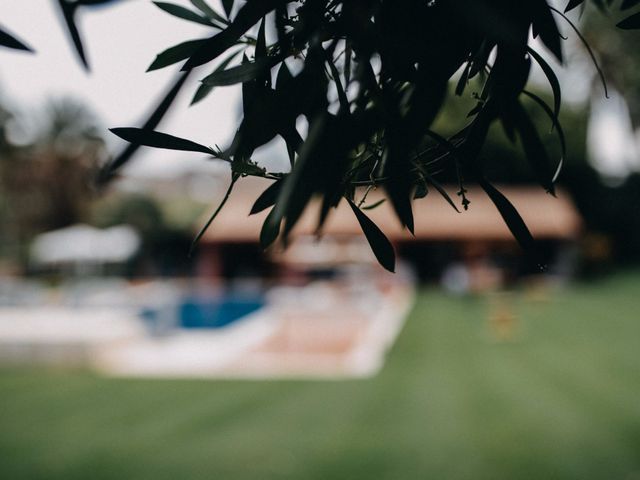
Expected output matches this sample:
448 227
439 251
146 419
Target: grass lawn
562 401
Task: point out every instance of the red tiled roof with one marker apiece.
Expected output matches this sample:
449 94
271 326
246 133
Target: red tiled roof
547 217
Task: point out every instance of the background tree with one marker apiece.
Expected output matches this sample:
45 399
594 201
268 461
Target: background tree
47 182
619 57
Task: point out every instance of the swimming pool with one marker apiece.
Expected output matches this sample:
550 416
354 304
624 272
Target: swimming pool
196 312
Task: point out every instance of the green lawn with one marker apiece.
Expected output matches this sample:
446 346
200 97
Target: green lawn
560 402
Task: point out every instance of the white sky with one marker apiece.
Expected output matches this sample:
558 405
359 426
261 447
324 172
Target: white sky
121 41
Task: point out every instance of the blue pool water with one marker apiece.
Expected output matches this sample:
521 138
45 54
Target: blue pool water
194 312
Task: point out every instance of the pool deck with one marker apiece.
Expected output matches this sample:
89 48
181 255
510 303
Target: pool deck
326 329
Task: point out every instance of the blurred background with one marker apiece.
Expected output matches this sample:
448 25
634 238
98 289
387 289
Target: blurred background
122 356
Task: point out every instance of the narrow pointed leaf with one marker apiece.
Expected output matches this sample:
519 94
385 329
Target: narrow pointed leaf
261 40
626 4
573 4
441 190
184 13
270 229
401 201
268 197
175 54
152 122
630 23
294 194
250 13
68 13
228 7
284 78
380 244
209 12
511 217
553 82
151 138
464 79
239 74
557 127
293 141
534 148
204 90
420 192
545 25
9 41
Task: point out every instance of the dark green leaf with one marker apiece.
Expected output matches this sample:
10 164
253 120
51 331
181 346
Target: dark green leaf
249 92
626 4
545 25
556 126
533 147
398 188
68 13
152 122
209 12
184 13
7 40
335 74
204 90
441 190
295 193
573 4
510 215
228 7
553 82
450 148
421 190
631 23
175 54
151 138
284 78
464 79
239 74
380 244
250 13
267 198
261 41
264 79
270 229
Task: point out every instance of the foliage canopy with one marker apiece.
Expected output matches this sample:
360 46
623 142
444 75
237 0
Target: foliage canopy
369 77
